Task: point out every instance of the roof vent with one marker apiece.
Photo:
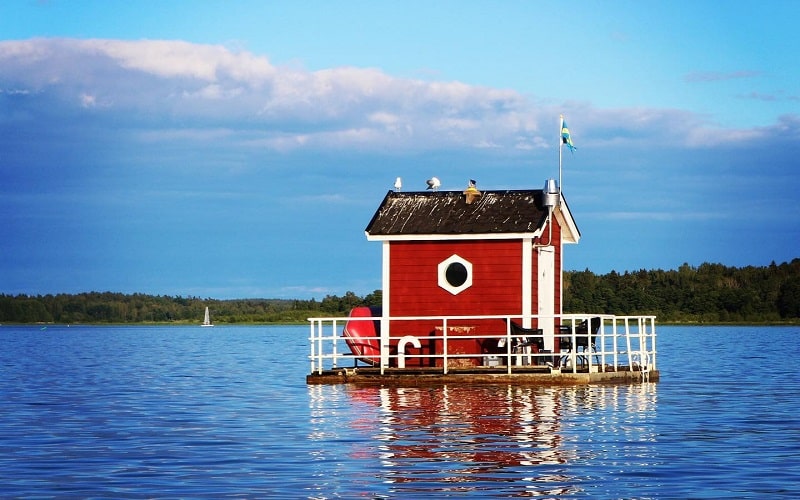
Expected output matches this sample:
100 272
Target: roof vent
550 198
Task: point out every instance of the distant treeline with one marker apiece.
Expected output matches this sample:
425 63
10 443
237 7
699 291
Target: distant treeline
108 307
710 293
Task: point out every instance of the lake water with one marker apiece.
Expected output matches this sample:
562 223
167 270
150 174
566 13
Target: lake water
189 412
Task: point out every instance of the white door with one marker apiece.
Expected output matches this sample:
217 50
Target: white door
547 290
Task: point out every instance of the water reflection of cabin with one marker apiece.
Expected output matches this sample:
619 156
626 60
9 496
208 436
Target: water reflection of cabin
499 255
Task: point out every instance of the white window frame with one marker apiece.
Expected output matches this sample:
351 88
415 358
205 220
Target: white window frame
455 258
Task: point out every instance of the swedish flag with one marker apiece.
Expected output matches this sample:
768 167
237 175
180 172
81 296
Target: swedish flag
565 139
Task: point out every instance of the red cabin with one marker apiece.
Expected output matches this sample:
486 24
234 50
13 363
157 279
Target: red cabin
452 253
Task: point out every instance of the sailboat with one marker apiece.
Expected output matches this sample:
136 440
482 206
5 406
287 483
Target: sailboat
207 319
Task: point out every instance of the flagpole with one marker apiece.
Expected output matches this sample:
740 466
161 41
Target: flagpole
560 152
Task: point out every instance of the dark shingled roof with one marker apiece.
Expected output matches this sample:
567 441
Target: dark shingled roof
447 213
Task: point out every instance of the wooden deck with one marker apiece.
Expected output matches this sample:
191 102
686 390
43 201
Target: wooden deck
524 375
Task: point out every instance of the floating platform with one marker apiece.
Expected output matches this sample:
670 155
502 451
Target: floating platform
535 375
584 349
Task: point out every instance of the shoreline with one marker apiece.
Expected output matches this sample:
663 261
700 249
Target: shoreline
793 322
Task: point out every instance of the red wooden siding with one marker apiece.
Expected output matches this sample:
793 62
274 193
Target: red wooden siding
414 290
496 279
496 288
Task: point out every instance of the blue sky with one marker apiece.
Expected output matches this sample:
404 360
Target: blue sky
239 149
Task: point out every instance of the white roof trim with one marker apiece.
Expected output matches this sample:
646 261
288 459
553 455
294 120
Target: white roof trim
452 237
567 222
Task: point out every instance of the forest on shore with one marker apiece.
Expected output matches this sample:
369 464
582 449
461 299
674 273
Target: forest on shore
709 293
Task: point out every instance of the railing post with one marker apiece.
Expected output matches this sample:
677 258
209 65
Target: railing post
334 351
628 342
320 347
601 335
653 333
444 346
384 341
615 333
312 340
508 346
573 348
590 344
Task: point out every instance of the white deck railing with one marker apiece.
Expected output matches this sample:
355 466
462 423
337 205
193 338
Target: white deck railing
621 343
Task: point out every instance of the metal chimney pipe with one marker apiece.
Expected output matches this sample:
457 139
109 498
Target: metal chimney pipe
550 198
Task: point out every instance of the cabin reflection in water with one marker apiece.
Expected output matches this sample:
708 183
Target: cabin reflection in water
476 436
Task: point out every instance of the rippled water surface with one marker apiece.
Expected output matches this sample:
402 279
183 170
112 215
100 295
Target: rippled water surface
187 412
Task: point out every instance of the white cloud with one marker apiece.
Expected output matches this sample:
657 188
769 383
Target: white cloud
180 82
779 96
178 59
88 101
711 137
158 84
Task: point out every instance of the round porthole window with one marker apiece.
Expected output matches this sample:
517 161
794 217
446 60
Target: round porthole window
455 274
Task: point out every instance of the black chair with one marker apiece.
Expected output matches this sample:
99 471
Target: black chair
525 338
585 333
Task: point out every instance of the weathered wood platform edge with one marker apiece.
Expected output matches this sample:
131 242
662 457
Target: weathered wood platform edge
372 376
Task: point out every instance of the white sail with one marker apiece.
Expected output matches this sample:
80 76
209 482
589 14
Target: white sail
207 319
